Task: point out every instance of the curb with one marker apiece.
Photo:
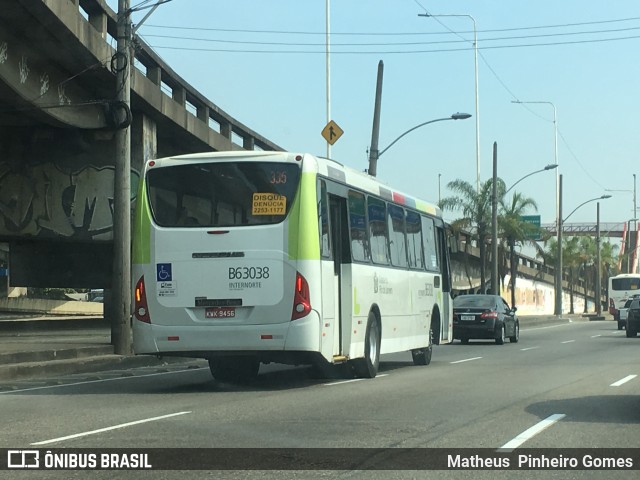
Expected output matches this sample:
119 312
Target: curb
33 370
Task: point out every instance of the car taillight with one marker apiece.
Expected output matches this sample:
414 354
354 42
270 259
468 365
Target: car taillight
140 309
486 315
301 300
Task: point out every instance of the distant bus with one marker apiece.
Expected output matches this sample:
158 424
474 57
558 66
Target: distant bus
621 288
249 257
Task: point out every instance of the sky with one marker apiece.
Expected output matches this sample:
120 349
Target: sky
265 64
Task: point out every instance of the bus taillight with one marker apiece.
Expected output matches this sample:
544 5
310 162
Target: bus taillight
141 310
301 300
612 306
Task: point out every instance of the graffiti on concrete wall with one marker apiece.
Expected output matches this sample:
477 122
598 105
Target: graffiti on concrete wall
43 200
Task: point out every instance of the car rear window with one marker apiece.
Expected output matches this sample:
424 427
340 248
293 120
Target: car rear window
474 301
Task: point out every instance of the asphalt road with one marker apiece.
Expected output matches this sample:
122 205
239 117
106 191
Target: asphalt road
568 386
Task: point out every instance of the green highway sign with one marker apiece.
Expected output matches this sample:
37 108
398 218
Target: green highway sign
534 221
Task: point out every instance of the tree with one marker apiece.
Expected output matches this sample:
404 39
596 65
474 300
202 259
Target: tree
587 256
515 231
476 213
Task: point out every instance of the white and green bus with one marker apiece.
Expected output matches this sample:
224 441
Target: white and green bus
244 258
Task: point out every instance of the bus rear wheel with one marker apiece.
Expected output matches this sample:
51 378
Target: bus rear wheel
234 369
367 367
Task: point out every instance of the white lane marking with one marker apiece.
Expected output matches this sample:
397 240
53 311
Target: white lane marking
544 328
533 431
568 341
528 348
86 382
122 425
595 336
466 360
623 381
342 382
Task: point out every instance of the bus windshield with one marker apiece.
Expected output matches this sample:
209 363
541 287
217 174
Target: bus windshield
222 194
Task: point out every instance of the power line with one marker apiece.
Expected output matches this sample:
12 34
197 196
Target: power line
399 52
294 32
439 42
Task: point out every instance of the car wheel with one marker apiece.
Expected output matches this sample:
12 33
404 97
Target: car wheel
422 356
631 333
500 335
620 325
516 334
234 369
367 367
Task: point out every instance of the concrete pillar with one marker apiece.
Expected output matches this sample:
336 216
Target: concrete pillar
154 74
98 20
179 95
203 114
248 143
144 145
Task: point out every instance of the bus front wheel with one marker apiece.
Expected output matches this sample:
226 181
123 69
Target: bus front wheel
234 369
367 367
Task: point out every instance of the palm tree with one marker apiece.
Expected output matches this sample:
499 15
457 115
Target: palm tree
514 230
571 259
475 207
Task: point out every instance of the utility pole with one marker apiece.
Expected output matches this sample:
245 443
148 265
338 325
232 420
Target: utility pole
494 224
558 271
121 276
598 295
375 134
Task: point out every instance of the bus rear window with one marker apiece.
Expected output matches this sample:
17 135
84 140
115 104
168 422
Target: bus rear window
222 194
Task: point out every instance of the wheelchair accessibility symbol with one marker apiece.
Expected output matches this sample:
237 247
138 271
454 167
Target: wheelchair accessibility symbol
163 272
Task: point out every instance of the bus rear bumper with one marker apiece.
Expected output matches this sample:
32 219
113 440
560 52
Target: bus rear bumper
297 335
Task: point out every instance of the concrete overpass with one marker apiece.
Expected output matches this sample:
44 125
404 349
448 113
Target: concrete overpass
58 117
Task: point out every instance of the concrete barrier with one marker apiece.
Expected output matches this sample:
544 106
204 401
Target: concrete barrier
50 307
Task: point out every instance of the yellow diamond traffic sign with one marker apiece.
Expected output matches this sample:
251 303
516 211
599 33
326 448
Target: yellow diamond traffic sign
332 132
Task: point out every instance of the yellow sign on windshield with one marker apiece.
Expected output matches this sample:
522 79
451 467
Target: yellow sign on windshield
268 204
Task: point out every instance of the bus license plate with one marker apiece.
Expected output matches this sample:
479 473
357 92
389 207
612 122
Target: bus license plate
467 317
220 312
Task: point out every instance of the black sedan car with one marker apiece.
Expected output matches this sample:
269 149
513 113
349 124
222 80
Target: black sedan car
484 317
633 318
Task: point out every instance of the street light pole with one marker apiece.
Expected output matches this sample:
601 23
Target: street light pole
548 167
477 100
558 303
376 154
494 224
555 156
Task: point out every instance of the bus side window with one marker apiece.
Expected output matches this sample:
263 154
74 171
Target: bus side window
378 238
397 242
414 240
430 245
357 226
323 220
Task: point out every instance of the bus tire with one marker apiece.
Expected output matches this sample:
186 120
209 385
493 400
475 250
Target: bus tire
422 356
236 369
367 367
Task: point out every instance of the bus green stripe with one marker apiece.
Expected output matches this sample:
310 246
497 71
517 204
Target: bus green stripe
304 243
141 253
